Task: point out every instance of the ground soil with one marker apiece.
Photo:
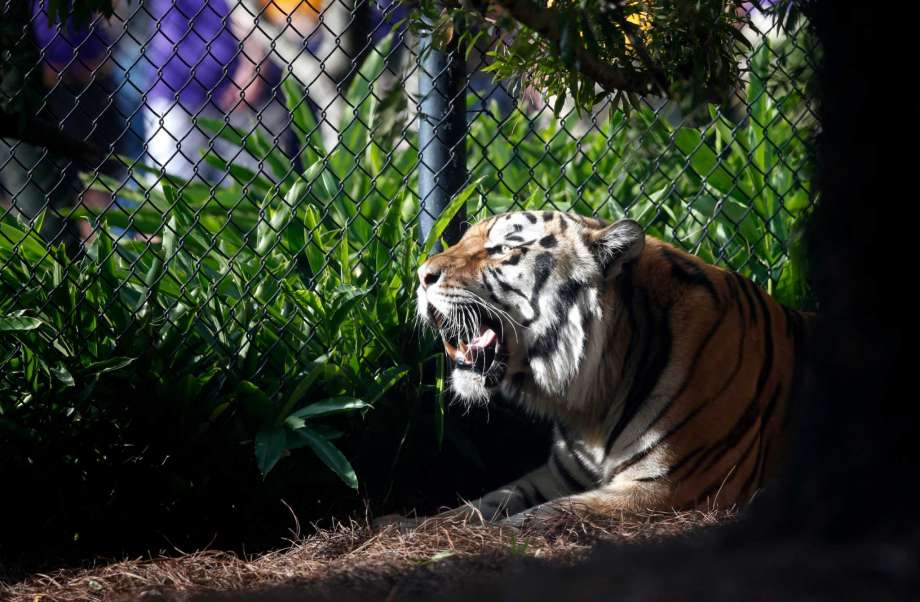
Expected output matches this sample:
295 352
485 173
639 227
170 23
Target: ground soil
684 556
353 559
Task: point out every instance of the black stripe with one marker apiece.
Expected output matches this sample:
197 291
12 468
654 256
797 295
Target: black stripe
743 285
734 296
718 451
683 461
698 356
592 472
766 455
750 414
689 273
530 217
504 285
513 260
731 378
563 222
625 293
674 467
653 361
738 364
548 241
569 480
486 284
528 501
548 342
538 496
492 225
543 267
757 475
767 344
724 480
632 460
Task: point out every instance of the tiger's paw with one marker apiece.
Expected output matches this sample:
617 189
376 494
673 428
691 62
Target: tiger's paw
397 522
542 515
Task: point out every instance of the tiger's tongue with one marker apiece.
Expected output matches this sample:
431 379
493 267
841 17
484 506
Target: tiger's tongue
485 338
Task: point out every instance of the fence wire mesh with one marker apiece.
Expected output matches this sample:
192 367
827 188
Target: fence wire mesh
228 190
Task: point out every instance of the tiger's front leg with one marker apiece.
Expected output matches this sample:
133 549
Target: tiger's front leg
531 490
566 474
609 500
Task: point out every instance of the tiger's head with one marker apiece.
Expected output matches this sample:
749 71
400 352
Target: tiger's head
516 299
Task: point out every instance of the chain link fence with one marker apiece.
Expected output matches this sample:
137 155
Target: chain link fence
228 194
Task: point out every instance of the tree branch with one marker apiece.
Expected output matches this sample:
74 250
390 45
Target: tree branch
546 22
638 43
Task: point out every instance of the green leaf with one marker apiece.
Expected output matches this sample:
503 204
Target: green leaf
559 104
18 323
317 367
703 161
388 115
329 455
314 247
440 389
108 365
346 304
332 405
446 216
254 142
254 401
370 70
270 445
62 374
387 380
305 127
28 242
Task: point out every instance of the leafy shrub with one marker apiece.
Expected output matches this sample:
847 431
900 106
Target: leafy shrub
179 367
735 194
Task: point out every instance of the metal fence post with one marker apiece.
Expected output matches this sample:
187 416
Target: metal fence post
442 134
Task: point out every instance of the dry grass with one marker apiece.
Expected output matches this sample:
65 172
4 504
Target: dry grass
356 557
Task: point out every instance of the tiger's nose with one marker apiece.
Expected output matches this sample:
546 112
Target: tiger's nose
428 275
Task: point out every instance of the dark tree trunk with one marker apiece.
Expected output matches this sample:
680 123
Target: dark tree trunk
855 458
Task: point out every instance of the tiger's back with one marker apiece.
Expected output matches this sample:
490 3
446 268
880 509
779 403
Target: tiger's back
710 373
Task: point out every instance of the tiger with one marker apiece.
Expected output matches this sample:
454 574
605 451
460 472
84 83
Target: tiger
668 380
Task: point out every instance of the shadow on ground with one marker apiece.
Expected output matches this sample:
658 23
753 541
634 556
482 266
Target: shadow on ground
709 556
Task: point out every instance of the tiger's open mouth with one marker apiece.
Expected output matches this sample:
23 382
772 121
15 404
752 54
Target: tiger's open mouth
483 353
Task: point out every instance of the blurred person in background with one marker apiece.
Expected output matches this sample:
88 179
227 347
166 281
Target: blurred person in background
77 76
209 60
225 59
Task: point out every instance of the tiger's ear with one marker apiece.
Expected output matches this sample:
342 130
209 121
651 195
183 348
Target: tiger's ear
618 244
